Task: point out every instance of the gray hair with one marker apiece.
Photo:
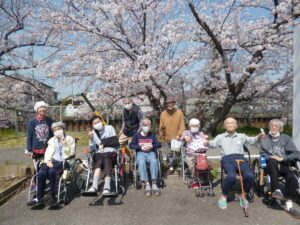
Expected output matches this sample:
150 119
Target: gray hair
276 121
58 124
128 98
145 121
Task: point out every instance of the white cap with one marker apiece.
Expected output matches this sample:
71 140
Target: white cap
39 105
194 122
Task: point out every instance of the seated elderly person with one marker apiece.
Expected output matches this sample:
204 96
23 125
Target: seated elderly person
231 145
104 141
60 147
195 143
280 151
145 143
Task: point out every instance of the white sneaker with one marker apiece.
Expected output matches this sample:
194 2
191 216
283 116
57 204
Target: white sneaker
92 190
106 192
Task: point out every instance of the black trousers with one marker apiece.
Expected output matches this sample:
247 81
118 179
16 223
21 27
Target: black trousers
106 161
276 169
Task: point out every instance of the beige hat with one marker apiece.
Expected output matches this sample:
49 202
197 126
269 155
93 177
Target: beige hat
58 124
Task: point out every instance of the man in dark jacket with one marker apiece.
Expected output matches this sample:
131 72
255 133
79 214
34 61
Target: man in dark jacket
39 130
131 118
280 151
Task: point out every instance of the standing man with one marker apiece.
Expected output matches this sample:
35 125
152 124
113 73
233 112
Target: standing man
171 126
131 118
39 130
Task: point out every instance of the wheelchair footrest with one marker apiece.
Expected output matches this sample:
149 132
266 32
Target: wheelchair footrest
111 194
89 194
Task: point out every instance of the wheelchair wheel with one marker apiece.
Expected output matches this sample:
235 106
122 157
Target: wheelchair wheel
256 169
137 181
77 177
68 194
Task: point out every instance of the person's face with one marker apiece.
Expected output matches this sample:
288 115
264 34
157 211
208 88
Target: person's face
56 129
42 111
126 101
275 128
170 105
95 121
230 125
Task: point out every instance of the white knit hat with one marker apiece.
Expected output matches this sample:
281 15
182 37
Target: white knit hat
194 122
39 105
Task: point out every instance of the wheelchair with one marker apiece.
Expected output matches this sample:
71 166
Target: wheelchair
262 181
237 188
202 176
160 178
117 176
68 182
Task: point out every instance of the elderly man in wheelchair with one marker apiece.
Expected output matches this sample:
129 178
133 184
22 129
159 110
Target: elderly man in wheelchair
278 156
60 148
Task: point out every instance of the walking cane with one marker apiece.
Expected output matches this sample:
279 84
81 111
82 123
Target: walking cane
242 186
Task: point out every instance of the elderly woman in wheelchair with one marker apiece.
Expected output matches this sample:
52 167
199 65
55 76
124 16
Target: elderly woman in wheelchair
278 156
145 143
60 148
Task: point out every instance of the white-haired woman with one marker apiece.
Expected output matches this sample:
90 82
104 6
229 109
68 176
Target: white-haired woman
280 150
145 143
195 142
39 130
60 147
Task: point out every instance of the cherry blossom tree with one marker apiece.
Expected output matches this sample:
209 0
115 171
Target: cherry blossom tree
20 32
221 53
247 53
121 48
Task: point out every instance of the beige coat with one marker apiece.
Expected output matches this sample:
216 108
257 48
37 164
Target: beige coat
171 125
68 148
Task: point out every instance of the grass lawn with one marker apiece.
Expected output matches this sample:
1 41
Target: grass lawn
11 139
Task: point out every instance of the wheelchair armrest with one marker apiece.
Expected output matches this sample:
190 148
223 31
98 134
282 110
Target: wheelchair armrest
70 157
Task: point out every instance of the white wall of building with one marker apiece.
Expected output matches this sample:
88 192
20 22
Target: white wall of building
296 91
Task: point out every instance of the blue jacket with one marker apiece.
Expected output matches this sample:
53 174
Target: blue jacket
38 133
138 139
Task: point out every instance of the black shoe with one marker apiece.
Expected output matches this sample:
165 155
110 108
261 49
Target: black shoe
32 202
277 194
38 205
249 197
293 212
51 200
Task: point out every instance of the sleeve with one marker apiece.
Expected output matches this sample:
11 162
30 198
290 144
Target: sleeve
162 128
123 121
29 135
50 130
134 144
92 143
49 151
250 140
185 133
181 125
291 150
215 143
140 116
156 144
